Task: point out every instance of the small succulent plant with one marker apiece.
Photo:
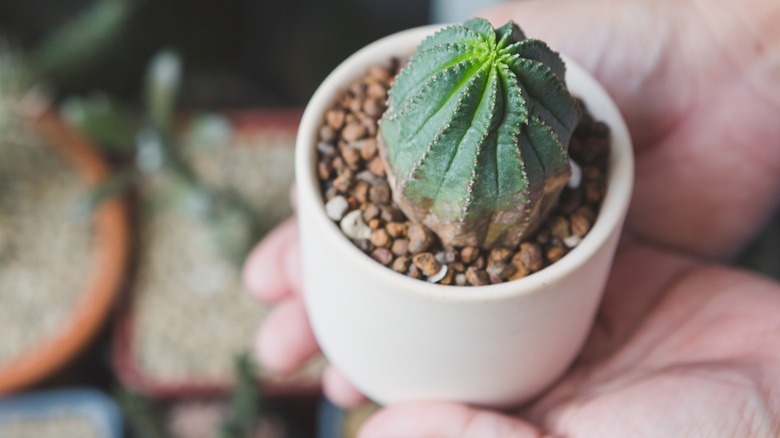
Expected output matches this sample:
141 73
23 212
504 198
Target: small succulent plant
476 134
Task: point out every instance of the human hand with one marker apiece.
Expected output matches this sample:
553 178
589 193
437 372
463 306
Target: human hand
679 347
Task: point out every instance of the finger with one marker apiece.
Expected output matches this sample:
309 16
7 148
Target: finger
339 390
286 342
444 420
272 270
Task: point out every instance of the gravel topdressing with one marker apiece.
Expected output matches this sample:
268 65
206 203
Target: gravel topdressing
358 197
45 247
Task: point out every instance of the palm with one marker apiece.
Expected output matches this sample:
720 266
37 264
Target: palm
675 339
679 347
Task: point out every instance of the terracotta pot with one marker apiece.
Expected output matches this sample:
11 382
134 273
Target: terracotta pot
399 339
110 252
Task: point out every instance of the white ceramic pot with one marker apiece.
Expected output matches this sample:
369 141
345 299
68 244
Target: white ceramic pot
400 339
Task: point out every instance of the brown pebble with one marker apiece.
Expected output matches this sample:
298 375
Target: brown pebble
331 193
427 263
501 253
343 181
397 229
559 227
480 262
476 277
587 212
324 168
326 149
353 203
374 107
370 212
365 246
458 267
579 225
593 193
451 255
554 253
528 256
355 104
414 272
382 255
390 214
543 236
338 164
379 238
368 149
401 264
519 273
358 89
374 224
500 269
381 74
420 238
335 118
469 254
400 247
377 167
377 91
379 193
591 173
448 278
360 192
327 134
570 200
369 123
353 132
351 155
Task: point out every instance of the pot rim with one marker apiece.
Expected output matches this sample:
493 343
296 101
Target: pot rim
610 217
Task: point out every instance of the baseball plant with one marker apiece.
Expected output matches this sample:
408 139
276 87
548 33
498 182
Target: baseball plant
476 134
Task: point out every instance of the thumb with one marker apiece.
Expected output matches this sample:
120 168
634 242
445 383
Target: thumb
436 419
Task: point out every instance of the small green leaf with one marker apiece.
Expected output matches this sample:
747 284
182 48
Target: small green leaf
245 403
163 79
103 120
69 47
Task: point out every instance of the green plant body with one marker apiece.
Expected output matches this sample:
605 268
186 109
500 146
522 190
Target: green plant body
476 134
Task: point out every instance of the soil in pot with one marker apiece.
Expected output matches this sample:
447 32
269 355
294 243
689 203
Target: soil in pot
357 196
46 247
190 314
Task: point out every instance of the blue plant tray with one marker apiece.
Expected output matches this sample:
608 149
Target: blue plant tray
93 406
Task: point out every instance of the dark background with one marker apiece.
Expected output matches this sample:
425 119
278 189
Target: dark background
258 53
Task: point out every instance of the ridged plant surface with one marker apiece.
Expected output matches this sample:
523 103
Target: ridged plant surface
476 134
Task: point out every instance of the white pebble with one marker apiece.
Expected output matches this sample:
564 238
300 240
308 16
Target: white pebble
354 226
437 277
336 207
572 241
576 174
